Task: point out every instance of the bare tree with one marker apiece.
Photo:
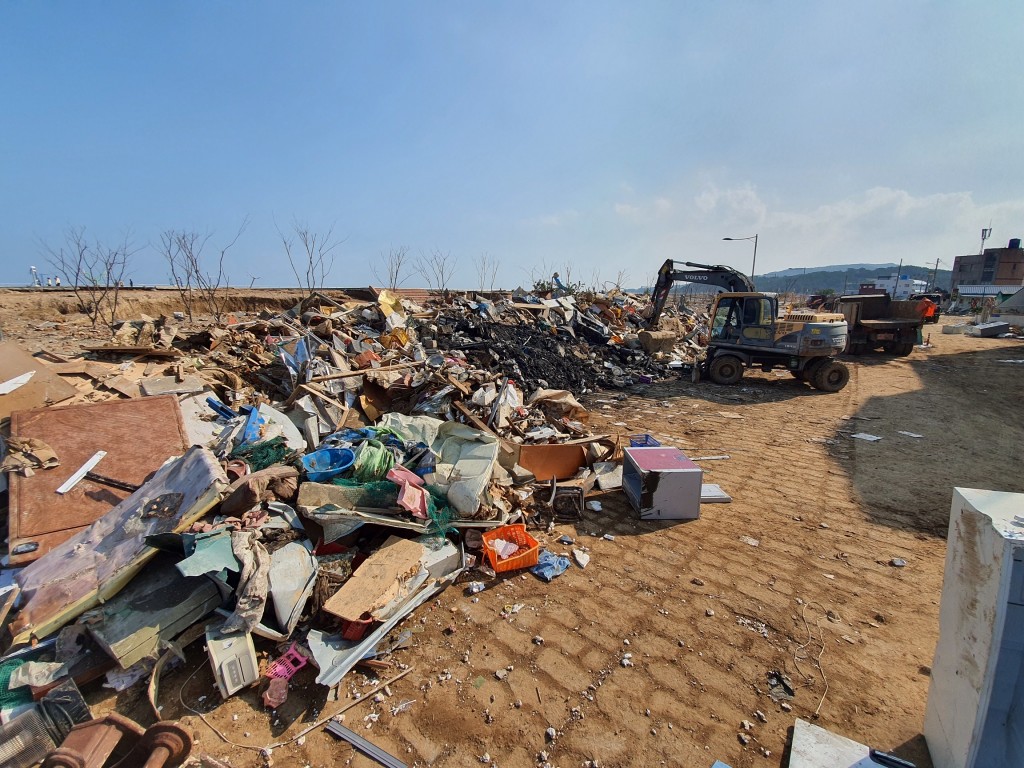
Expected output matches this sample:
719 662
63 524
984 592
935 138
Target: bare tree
620 277
437 269
540 278
193 276
178 248
313 259
94 272
396 260
486 271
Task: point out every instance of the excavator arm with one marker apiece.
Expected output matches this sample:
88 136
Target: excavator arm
719 275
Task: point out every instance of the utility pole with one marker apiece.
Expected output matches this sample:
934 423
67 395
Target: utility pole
935 274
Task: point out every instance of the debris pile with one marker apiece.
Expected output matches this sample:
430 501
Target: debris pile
287 487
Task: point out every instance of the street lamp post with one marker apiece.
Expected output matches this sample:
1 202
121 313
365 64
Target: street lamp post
753 264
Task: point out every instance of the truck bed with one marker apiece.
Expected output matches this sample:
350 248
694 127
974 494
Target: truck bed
890 323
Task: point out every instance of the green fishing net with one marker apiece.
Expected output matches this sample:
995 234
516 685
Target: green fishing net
12 698
262 455
383 495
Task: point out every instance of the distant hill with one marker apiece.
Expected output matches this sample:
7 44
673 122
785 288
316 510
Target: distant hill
845 281
841 279
829 268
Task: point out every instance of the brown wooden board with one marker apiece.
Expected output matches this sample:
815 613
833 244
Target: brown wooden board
43 388
382 578
138 436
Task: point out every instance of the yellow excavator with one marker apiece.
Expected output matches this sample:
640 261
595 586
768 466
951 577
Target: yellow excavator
747 331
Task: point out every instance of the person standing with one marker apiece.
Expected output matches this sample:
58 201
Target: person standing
58 281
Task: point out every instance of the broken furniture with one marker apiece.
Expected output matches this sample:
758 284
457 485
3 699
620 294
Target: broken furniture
99 561
114 737
661 483
156 606
138 436
975 712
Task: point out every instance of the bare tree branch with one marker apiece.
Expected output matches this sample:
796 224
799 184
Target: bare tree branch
486 271
93 271
313 260
437 269
183 251
395 262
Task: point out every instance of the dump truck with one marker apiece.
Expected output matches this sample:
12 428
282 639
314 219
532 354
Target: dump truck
746 330
876 322
934 310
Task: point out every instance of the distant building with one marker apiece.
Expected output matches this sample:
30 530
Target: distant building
995 266
899 287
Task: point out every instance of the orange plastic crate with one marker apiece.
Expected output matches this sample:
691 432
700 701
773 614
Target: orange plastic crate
518 534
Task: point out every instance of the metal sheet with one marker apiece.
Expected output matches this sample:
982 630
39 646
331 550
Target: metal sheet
96 563
370 750
138 436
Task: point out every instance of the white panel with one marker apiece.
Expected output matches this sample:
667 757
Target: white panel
984 531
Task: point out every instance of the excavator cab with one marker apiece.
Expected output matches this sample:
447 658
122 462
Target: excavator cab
744 319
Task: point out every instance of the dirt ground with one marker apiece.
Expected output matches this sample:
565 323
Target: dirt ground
793 576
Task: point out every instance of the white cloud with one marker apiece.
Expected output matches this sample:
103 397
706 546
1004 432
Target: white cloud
552 220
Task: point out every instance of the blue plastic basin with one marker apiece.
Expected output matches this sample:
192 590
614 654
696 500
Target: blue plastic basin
326 463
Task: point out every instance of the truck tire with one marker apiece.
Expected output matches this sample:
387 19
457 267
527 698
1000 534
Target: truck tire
903 348
830 376
898 348
726 369
811 367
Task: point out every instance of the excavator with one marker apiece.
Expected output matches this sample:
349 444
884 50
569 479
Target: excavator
747 331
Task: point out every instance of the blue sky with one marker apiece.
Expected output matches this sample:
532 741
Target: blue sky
588 137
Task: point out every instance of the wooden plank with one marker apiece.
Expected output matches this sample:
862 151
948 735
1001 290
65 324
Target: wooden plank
157 605
473 418
171 385
379 580
364 371
123 385
138 436
138 351
44 388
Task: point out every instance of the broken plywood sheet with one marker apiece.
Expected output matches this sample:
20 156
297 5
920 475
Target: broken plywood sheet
156 606
42 388
559 461
138 436
169 385
385 577
97 562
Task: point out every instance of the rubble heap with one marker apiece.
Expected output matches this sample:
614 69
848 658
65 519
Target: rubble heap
290 486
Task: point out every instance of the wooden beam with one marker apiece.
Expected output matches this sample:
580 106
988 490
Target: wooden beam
473 418
364 371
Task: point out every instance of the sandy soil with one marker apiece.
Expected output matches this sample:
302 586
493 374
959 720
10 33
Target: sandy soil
705 613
